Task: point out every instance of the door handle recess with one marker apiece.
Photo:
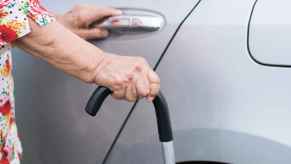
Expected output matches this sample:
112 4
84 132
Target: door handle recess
135 21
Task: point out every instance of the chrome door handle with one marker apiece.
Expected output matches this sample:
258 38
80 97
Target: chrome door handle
135 21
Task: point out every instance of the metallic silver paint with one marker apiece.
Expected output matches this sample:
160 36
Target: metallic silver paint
270 32
224 107
50 105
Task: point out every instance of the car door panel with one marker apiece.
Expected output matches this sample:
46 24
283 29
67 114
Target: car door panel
224 107
245 104
50 105
269 33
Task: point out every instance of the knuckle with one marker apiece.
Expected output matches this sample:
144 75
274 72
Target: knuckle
129 76
77 16
78 7
138 66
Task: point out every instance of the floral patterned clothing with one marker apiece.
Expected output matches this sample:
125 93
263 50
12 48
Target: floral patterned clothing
14 24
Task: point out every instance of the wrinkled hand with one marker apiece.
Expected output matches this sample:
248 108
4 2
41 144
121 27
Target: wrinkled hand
128 77
79 19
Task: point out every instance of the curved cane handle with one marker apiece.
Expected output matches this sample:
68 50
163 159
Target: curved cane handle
161 107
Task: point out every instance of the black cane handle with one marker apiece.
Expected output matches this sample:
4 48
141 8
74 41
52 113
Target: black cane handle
161 107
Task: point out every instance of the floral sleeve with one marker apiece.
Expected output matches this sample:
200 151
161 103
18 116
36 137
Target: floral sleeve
14 16
14 23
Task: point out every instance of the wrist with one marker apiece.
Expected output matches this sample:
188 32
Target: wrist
103 60
89 64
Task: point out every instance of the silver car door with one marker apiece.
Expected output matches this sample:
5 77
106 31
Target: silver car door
50 105
269 33
224 106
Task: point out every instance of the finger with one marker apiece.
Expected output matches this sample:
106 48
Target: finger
153 77
93 33
100 13
142 85
154 90
108 11
131 93
119 94
119 89
154 84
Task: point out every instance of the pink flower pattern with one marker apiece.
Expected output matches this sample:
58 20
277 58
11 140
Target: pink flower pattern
14 15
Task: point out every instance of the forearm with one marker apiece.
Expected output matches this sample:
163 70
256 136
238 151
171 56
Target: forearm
63 49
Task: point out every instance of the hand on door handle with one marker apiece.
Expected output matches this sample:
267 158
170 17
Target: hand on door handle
135 21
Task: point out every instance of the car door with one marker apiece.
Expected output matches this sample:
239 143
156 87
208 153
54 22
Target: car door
50 105
269 33
224 106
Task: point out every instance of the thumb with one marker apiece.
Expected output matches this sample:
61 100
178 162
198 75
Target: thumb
108 11
93 33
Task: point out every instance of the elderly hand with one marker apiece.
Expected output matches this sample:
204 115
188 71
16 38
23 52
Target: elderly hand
79 19
128 77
